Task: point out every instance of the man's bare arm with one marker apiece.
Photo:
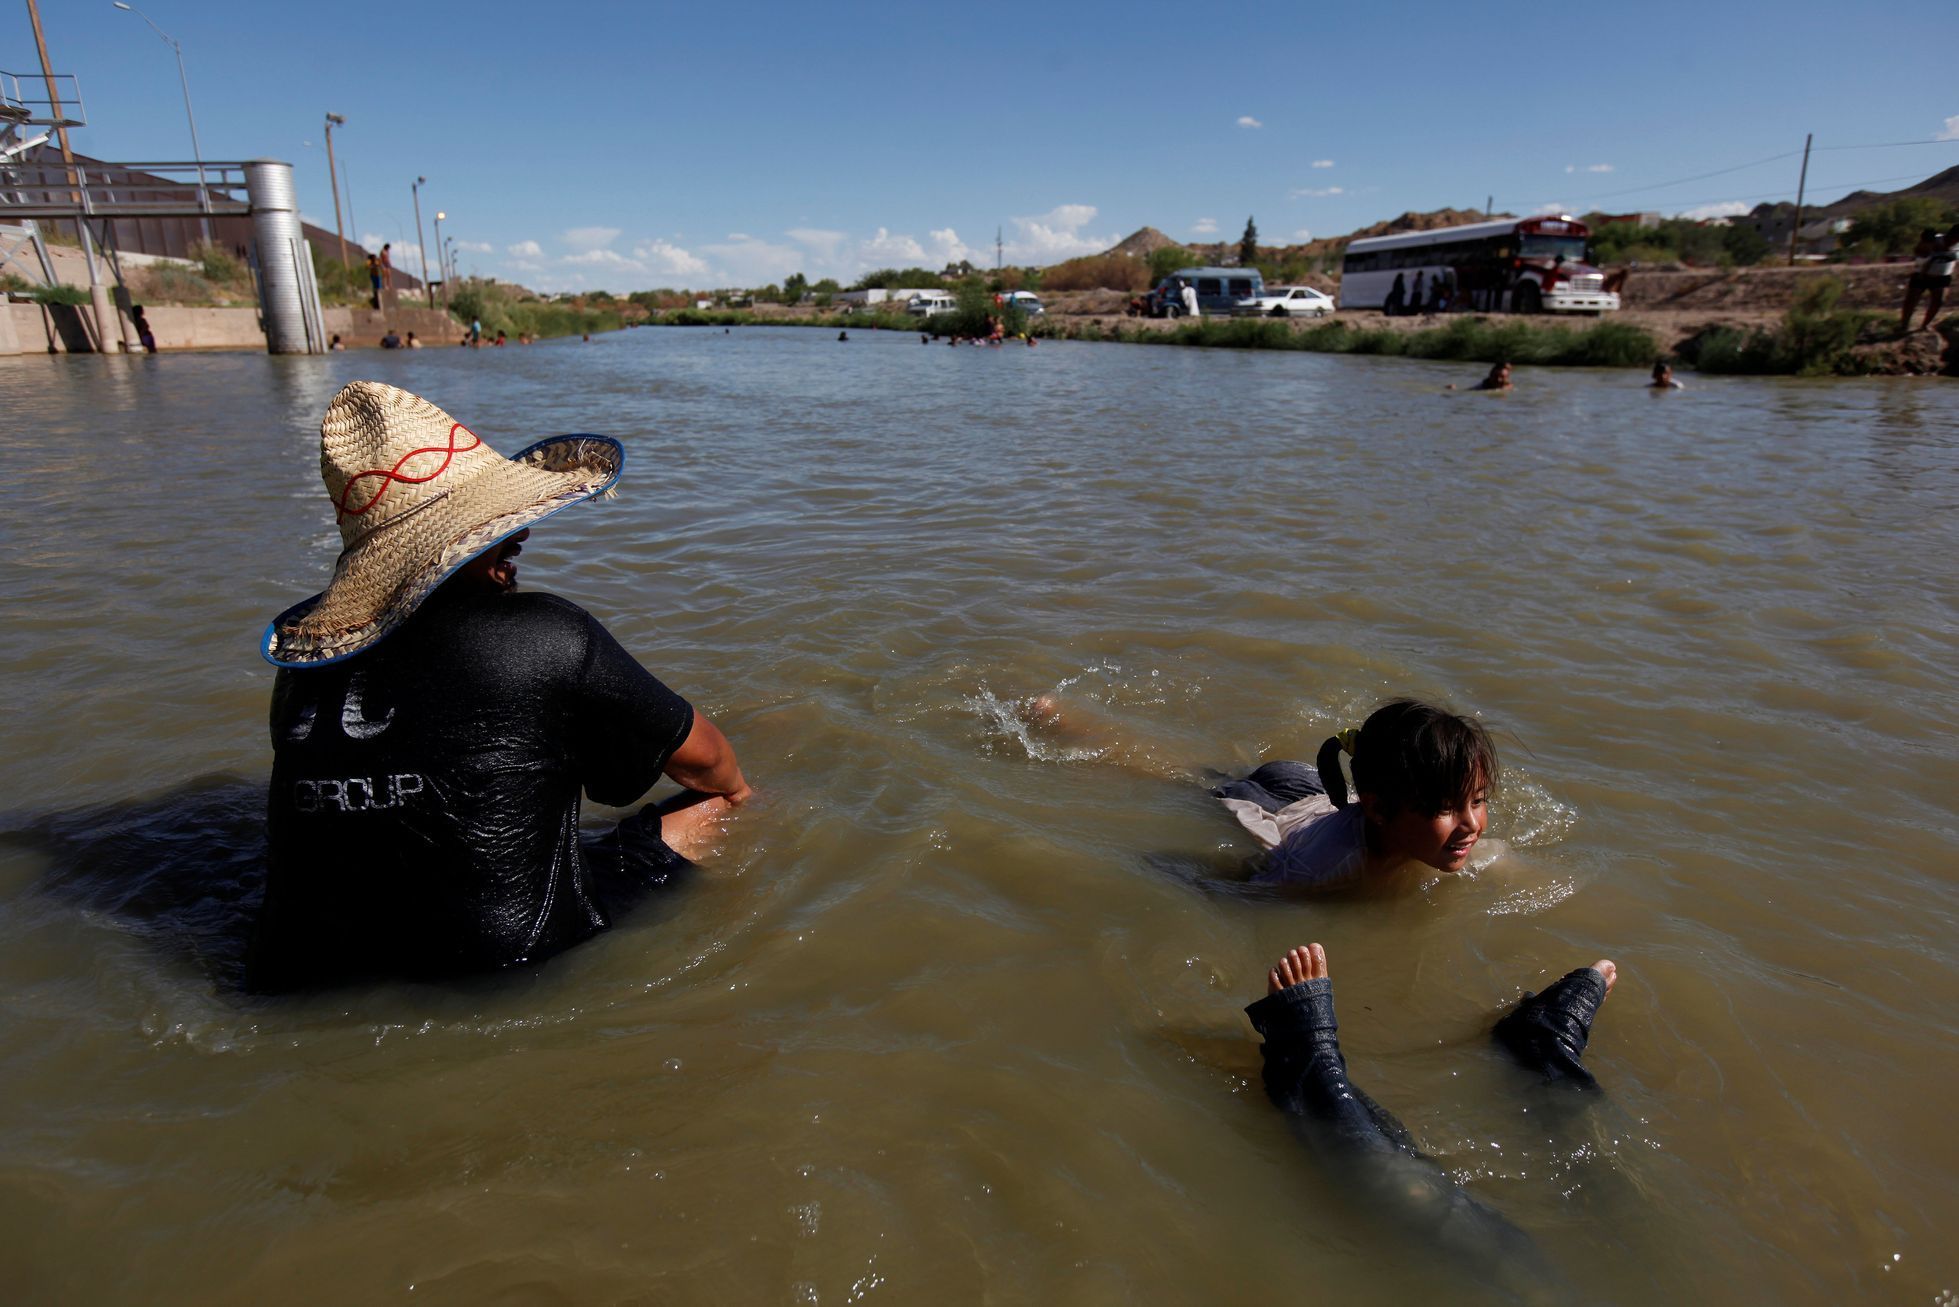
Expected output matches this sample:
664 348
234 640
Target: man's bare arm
705 763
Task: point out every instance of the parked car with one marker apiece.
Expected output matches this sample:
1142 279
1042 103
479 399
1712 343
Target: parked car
1024 300
926 303
1218 291
1287 302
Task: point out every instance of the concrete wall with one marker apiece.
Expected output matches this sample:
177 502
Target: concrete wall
26 328
363 328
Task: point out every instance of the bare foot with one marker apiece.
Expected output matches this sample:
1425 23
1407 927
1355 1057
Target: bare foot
1299 966
1605 967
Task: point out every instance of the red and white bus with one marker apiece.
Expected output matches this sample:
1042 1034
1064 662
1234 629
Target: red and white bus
1525 265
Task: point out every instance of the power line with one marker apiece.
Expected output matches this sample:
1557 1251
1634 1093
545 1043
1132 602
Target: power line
1770 195
1740 167
1699 176
1887 145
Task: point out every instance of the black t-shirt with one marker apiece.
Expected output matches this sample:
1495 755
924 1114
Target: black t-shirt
423 813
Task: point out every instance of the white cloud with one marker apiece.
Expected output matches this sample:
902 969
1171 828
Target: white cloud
739 236
1056 235
884 248
1544 209
668 259
1951 131
1248 121
1301 236
1204 227
1315 192
590 238
753 262
477 247
947 247
823 244
1322 163
525 250
1725 209
1590 167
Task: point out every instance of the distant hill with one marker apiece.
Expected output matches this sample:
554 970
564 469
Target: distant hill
1140 244
1939 186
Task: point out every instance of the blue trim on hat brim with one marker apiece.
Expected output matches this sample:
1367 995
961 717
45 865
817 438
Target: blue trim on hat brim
304 605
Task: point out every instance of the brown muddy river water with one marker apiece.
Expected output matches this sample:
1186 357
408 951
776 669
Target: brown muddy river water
955 1015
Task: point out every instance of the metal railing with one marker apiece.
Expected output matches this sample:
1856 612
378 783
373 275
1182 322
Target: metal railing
20 105
49 188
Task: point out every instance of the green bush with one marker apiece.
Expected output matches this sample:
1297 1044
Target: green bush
62 295
1893 228
973 314
217 265
503 308
1816 339
1167 260
1465 339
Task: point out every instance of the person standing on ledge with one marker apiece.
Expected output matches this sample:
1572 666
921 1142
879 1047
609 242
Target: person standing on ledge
433 726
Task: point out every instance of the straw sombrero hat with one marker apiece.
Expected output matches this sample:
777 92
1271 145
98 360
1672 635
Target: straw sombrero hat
416 495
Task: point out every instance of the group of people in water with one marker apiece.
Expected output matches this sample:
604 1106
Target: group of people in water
433 728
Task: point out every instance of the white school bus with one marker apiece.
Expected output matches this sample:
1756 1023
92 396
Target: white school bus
1524 265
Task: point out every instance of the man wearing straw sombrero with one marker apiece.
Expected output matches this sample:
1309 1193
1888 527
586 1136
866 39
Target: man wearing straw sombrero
433 727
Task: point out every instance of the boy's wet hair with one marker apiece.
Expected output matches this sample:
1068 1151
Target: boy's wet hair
1412 755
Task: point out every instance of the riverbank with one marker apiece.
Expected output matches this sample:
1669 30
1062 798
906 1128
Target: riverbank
1863 343
1828 339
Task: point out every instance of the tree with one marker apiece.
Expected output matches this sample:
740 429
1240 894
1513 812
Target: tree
1248 244
1893 228
1744 244
793 287
1168 259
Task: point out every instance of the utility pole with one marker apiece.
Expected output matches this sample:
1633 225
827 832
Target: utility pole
333 180
352 221
999 248
416 191
1489 205
1802 181
54 101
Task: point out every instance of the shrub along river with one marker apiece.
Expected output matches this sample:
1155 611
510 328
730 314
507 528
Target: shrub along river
956 1010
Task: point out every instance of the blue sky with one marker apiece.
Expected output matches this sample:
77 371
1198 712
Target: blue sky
627 146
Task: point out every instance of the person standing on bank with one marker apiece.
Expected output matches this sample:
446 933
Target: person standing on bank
1191 308
433 727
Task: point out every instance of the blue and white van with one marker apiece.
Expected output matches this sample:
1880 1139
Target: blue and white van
1218 291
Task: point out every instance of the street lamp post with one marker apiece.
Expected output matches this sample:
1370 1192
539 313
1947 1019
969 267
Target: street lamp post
196 151
439 216
333 179
416 191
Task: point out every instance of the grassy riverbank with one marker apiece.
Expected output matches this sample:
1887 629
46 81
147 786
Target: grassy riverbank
1464 339
746 318
1816 337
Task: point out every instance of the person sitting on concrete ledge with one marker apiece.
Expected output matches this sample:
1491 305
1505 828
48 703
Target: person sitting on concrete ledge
391 341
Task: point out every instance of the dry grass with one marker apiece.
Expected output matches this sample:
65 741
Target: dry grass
1098 272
